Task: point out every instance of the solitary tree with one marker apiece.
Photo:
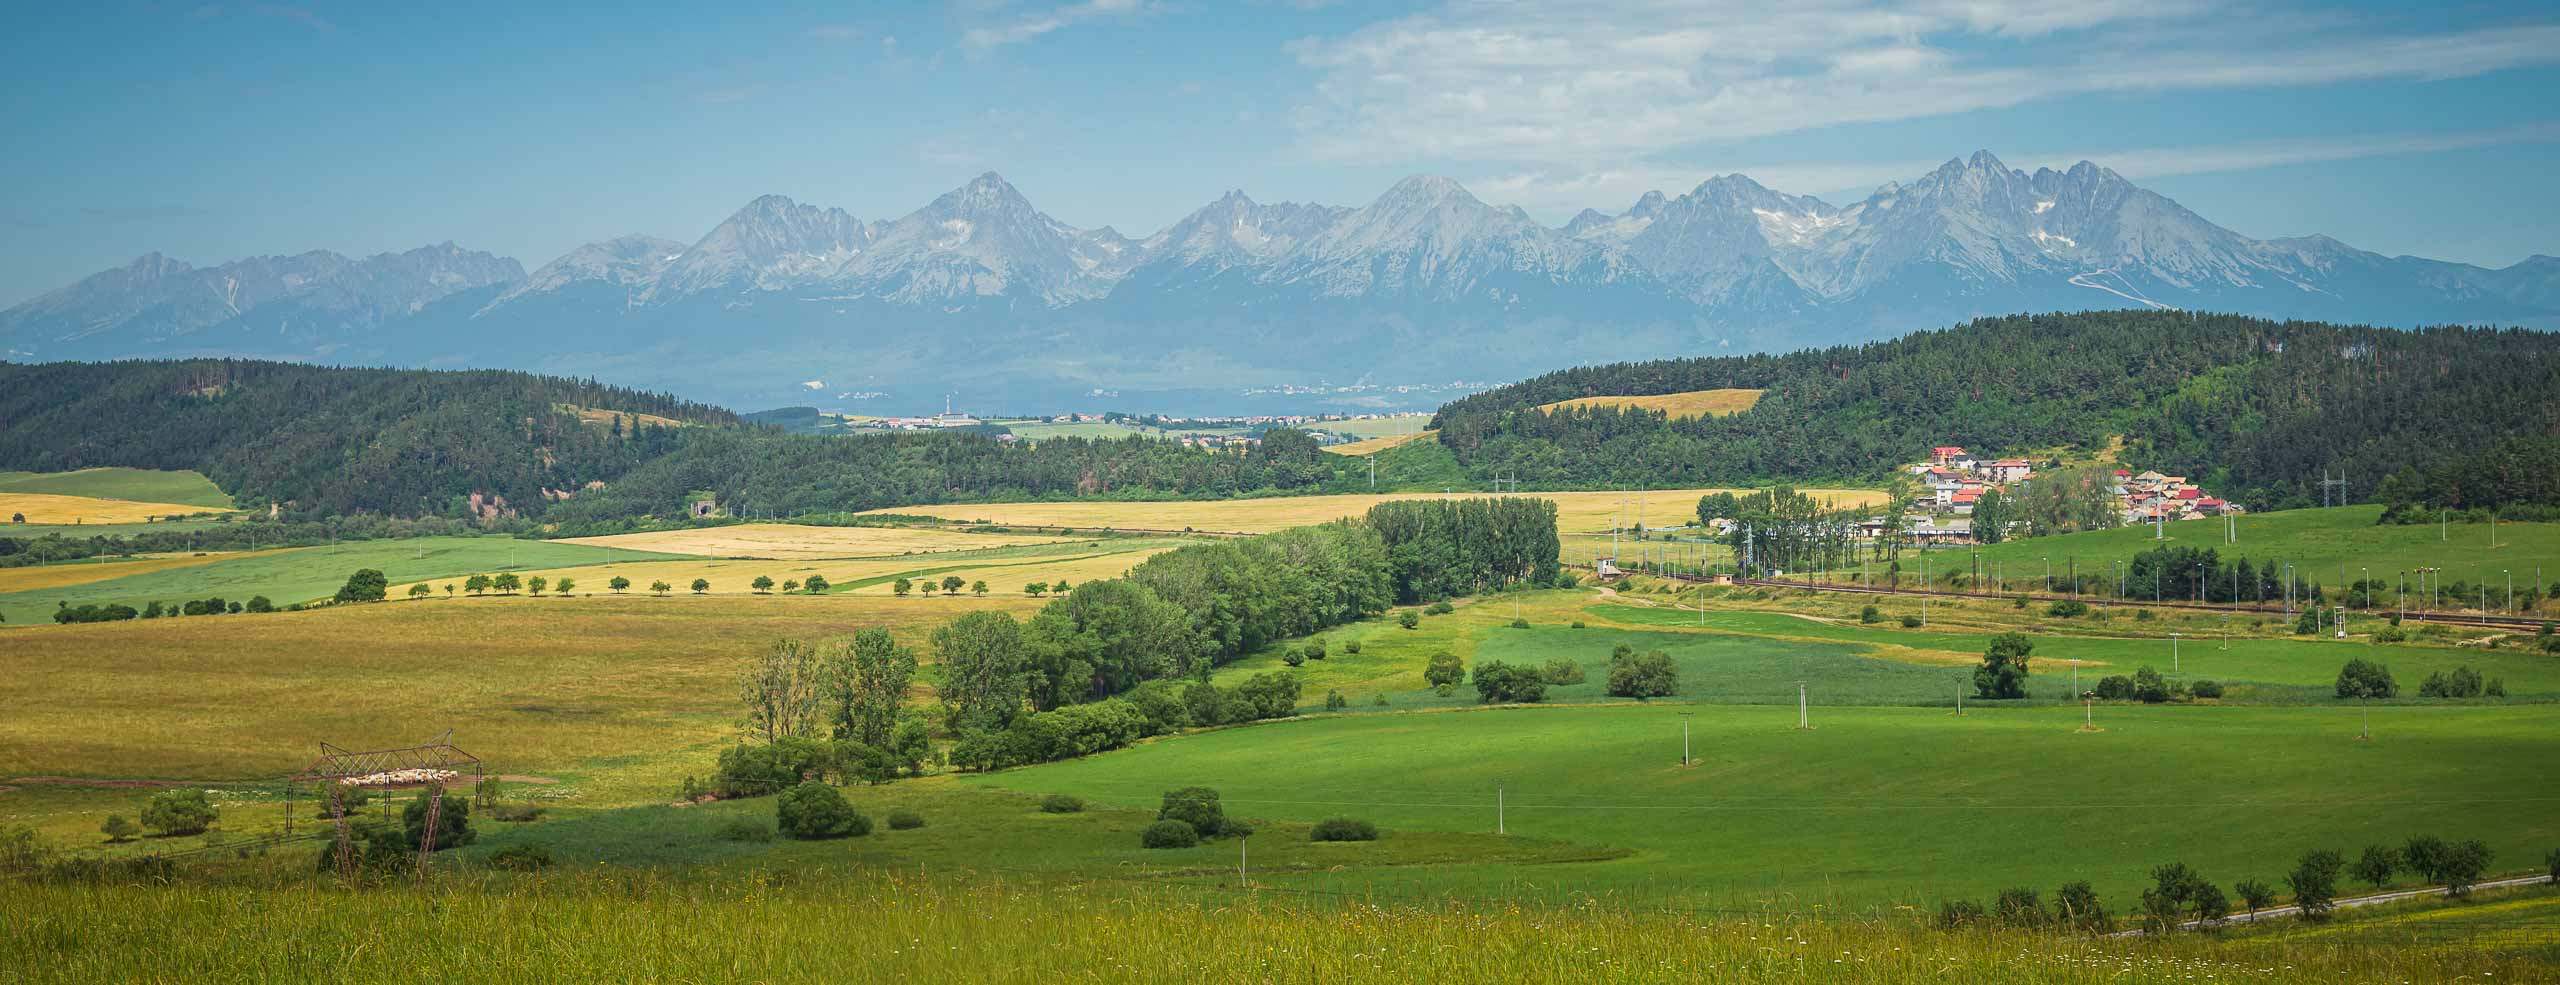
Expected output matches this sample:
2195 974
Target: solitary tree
420 590
2315 883
979 589
1408 619
476 584
951 584
867 682
618 583
1445 671
2255 895
119 829
790 585
2376 866
182 811
366 585
506 582
564 585
1036 589
2464 865
816 585
762 584
2003 673
783 689
701 586
661 588
536 584
448 593
901 587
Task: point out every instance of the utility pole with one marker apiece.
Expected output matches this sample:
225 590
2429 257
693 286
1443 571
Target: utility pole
1499 826
1684 738
1240 859
1804 711
2173 652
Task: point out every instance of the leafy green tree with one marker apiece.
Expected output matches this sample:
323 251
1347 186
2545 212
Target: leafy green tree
179 811
119 829
506 583
1408 619
2255 895
763 584
785 691
618 583
563 586
1444 671
2377 865
1501 683
1651 674
790 585
2003 673
2314 881
901 587
951 584
978 589
660 588
420 590
2077 905
701 586
985 666
259 603
1197 807
1990 517
2425 856
2464 865
2149 687
476 584
1036 589
816 585
453 821
866 683
1104 637
253 603
366 585
536 585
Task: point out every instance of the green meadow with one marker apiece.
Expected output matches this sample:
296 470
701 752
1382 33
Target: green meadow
139 485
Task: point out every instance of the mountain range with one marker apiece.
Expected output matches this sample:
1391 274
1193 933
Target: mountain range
1395 303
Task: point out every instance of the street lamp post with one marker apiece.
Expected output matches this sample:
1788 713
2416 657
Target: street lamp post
2173 652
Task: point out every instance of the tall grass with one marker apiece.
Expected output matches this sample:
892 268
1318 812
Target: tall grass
827 924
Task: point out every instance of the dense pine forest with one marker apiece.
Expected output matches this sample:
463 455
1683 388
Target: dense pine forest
2254 408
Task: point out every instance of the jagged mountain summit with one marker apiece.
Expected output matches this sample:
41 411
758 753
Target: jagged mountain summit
1427 283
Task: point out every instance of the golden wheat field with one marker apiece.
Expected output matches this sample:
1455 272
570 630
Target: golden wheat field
789 541
53 508
1007 577
1371 446
1695 403
736 576
531 685
1576 511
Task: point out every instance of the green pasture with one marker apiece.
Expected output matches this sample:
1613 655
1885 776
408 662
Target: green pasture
139 485
308 573
1874 805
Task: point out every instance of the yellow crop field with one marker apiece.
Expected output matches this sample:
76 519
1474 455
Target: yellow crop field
1008 577
51 508
530 685
733 576
789 541
1576 511
603 417
82 573
1695 403
1371 446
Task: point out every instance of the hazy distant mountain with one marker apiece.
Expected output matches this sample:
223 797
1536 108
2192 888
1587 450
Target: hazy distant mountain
979 291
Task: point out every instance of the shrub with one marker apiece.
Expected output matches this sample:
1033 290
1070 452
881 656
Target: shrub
2496 688
1502 683
2205 688
2077 905
742 829
1577 624
1381 701
1956 914
2315 883
2068 609
1343 829
1334 701
1445 670
1440 608
1194 806
2362 678
2115 687
1315 649
1408 619
2019 602
1351 646
2019 907
904 819
1169 834
1061 803
1293 656
2149 687
1651 675
814 810
2144 615
2003 673
1563 671
453 820
521 857
1519 624
1870 615
171 813
2255 895
1913 622
366 585
119 829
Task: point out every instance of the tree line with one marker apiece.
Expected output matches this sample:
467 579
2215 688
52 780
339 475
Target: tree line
2516 479
2252 408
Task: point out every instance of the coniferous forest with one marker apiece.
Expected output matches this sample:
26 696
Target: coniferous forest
2254 409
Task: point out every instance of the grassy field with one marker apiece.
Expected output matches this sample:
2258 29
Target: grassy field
100 569
2318 541
1695 403
307 573
1377 427
1576 511
1007 568
589 925
139 485
789 541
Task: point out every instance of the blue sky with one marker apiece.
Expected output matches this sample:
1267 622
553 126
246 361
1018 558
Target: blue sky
215 131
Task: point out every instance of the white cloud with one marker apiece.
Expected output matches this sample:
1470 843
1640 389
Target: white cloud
1018 28
1553 82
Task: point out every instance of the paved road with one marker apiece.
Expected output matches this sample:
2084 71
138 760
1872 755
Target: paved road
2391 897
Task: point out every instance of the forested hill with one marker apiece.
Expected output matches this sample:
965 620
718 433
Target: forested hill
327 441
2255 408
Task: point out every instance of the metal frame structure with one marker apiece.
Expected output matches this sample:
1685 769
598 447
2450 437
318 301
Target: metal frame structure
337 770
